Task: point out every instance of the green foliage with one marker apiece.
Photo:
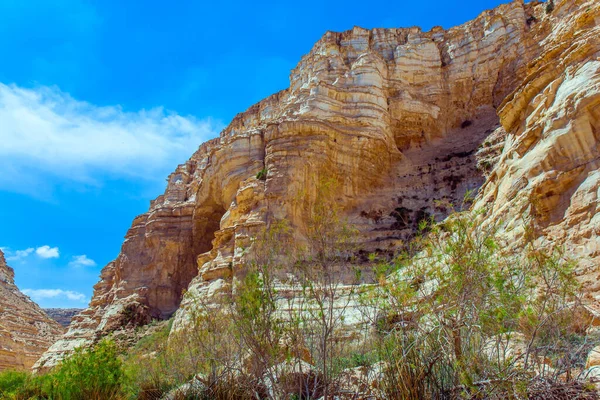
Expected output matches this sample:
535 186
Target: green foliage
150 342
356 359
11 382
549 6
486 165
94 374
448 313
25 386
262 174
150 366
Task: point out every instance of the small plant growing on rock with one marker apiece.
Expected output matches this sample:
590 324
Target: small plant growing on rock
262 174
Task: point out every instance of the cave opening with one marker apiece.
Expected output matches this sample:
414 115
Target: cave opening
195 239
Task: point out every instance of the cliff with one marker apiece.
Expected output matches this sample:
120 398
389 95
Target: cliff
62 315
25 330
548 172
406 120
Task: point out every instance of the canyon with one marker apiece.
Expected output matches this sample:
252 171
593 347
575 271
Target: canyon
506 106
25 330
62 315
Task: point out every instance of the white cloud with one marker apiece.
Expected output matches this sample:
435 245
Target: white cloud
82 261
47 252
46 133
17 255
42 251
43 294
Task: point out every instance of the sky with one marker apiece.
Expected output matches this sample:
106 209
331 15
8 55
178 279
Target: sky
101 99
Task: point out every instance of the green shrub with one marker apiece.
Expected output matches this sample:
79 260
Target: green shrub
12 381
262 174
356 359
448 313
89 374
147 366
165 360
443 316
95 373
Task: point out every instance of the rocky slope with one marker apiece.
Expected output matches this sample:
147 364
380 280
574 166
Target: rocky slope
62 315
403 119
25 330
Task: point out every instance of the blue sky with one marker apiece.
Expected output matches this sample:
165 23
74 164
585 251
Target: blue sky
100 100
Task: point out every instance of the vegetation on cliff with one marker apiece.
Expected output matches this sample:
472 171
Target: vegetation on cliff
94 374
457 315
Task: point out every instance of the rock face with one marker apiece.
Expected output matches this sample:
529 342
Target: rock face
62 315
548 173
405 120
25 330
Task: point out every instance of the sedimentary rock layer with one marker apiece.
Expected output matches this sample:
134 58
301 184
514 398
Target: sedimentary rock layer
25 330
62 315
405 120
547 178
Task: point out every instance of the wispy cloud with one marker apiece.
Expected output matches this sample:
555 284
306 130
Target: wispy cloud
47 252
48 134
20 255
44 294
82 261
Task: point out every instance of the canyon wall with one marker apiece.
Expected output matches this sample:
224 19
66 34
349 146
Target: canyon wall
25 330
62 315
547 178
406 121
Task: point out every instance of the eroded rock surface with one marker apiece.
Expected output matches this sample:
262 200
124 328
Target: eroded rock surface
62 315
406 121
547 177
25 330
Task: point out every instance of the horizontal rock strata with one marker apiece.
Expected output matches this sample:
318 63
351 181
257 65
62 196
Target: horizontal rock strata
62 315
25 330
548 173
405 120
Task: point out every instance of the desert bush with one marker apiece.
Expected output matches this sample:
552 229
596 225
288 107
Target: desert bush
11 382
276 343
327 279
26 386
95 374
458 315
148 366
464 317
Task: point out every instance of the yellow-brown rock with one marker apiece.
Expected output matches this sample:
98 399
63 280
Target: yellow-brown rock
547 176
399 117
593 358
25 330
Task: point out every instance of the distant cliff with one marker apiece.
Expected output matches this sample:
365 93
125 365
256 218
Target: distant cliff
25 330
507 105
62 315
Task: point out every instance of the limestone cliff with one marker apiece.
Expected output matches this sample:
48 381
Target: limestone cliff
25 330
62 315
403 118
548 173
